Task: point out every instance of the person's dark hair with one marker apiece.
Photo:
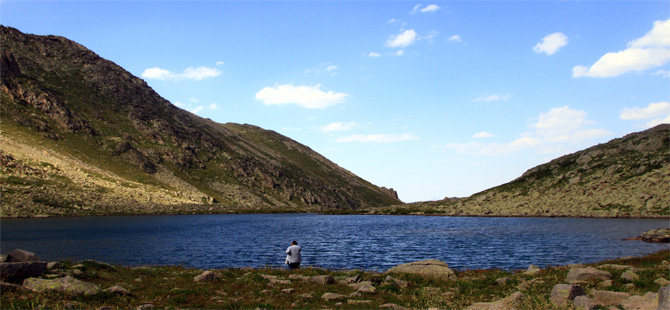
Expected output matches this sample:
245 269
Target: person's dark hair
294 242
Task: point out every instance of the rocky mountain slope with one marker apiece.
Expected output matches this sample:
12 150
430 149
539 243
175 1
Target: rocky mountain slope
626 177
81 135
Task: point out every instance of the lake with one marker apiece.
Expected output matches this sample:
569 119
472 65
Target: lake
331 241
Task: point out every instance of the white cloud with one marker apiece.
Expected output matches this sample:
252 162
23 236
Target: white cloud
377 138
650 51
494 97
404 39
220 63
551 43
189 73
374 55
455 38
197 109
659 112
339 126
399 53
551 131
392 20
324 68
663 73
310 97
427 9
213 106
482 135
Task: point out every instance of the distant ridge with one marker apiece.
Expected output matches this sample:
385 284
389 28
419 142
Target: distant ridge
625 177
81 135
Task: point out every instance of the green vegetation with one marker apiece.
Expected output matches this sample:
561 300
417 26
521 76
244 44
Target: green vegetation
173 287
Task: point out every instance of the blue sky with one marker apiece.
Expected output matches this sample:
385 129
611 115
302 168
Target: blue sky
434 99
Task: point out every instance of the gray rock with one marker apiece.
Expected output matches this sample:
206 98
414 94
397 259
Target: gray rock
606 283
323 280
664 298
647 302
511 302
398 282
19 255
288 291
53 265
392 307
662 281
503 281
364 287
117 290
429 267
563 294
584 303
532 270
630 276
67 285
145 307
17 271
608 298
207 276
4 286
579 275
3 258
332 296
353 279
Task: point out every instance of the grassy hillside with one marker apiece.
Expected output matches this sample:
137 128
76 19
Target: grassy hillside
80 135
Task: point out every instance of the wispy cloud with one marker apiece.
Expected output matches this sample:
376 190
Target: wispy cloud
373 55
551 43
658 112
494 97
324 68
482 135
197 108
650 51
190 73
377 138
419 8
339 126
550 132
310 97
455 38
403 39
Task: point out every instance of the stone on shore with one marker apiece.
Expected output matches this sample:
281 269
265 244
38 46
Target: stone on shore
19 255
16 272
67 285
207 276
579 275
398 282
664 298
364 287
608 298
119 290
647 302
323 280
511 302
584 302
563 294
532 270
332 296
629 275
429 267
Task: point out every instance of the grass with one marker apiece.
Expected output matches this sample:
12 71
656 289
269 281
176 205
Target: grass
172 287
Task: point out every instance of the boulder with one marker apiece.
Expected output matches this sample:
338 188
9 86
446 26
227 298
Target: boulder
207 276
392 307
18 271
563 294
19 255
429 267
323 280
398 282
503 281
584 302
662 281
608 298
332 296
9 287
364 287
117 290
664 298
353 279
579 275
67 285
511 302
615 266
630 276
532 270
647 302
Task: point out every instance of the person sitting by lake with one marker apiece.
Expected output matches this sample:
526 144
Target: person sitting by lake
293 257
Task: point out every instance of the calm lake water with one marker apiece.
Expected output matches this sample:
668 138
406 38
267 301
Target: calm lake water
330 241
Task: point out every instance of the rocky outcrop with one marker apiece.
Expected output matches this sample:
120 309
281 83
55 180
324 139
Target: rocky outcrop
511 302
66 285
563 294
581 275
655 235
429 267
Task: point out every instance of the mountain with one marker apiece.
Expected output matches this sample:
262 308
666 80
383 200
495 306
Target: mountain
625 177
81 135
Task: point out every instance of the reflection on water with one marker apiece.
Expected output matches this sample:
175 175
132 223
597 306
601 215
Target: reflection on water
330 241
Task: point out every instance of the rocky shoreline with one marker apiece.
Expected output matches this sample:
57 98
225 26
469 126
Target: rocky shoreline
625 283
